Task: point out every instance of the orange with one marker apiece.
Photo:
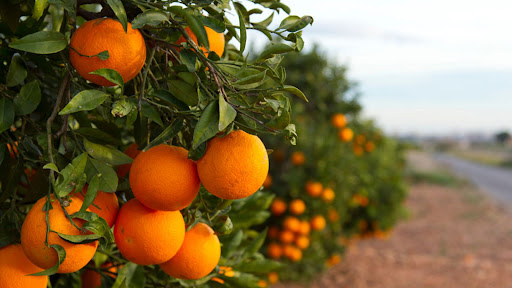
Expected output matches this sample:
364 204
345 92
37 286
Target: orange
162 178
328 195
15 268
278 207
360 139
127 51
132 151
92 279
107 206
273 277
338 120
145 236
358 150
297 207
197 257
314 189
302 242
215 40
346 134
304 227
291 223
333 260
298 158
262 283
274 251
268 182
273 232
333 215
318 222
369 146
234 166
286 237
33 235
294 254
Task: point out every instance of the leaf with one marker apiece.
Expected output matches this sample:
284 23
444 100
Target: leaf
151 18
198 29
17 72
110 74
258 266
84 101
294 23
207 126
241 280
243 31
251 81
118 8
189 59
97 136
95 224
42 42
39 7
275 5
267 21
6 114
151 113
10 12
227 113
106 154
106 174
61 255
122 108
131 275
90 195
255 244
28 99
79 239
233 244
278 48
217 25
295 91
183 91
170 99
70 173
51 166
167 134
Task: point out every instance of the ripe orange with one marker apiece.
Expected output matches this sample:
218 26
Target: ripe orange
346 134
291 223
278 207
274 251
273 277
198 255
268 182
358 150
333 215
127 51
318 222
297 207
304 227
92 279
15 268
108 206
292 253
286 237
215 40
328 195
132 151
33 235
234 166
298 158
302 242
145 236
333 260
162 178
369 146
314 189
338 120
262 283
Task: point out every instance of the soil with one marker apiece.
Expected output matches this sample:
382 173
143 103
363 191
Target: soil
454 237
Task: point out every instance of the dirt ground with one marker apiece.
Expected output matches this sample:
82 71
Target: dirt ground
454 237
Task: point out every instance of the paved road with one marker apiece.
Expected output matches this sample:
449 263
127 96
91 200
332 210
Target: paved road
496 181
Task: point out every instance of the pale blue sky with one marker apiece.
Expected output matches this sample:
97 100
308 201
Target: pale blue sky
437 66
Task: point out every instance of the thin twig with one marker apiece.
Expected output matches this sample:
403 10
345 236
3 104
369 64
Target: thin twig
49 122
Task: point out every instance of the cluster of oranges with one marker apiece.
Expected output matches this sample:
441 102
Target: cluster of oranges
362 144
346 134
359 200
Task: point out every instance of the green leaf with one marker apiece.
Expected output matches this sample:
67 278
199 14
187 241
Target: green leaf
17 72
278 48
227 113
207 126
118 8
255 244
70 173
198 29
106 174
251 81
295 91
151 113
90 195
151 18
122 108
167 134
189 59
84 101
28 99
258 266
39 7
167 97
183 91
42 42
295 23
232 245
217 25
241 280
275 5
106 154
61 254
131 275
243 31
51 166
79 239
95 224
97 136
6 114
110 74
267 21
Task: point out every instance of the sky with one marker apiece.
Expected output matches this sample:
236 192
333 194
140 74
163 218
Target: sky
424 67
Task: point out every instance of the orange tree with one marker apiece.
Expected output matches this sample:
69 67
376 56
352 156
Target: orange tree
85 80
343 179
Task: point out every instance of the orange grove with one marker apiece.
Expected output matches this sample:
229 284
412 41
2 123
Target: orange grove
163 178
234 166
197 257
132 151
216 40
33 235
145 236
15 268
126 50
